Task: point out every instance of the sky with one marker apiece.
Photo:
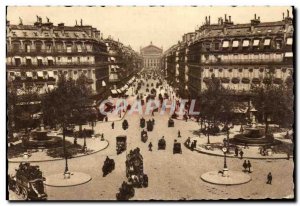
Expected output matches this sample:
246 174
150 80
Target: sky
138 26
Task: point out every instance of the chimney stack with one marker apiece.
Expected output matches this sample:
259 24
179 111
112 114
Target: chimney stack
225 17
209 20
255 16
288 13
229 18
282 15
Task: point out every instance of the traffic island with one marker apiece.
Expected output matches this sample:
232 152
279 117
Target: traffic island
231 177
71 179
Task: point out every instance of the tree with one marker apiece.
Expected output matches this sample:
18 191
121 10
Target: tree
22 104
59 104
215 103
275 102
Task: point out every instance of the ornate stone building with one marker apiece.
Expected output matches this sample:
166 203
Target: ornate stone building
124 62
151 56
240 55
37 54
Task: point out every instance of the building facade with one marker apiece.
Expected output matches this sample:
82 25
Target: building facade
124 63
240 55
151 56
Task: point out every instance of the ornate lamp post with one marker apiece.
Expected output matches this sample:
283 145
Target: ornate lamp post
208 132
225 169
84 141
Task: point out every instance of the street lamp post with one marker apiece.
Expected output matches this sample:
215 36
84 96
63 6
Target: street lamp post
84 141
225 169
227 139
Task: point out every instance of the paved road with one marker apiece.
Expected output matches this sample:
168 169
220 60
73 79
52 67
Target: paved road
171 177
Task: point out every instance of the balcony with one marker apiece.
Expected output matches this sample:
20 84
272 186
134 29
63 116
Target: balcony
55 65
52 51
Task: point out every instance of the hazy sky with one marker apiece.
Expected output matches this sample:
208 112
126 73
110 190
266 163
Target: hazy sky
137 26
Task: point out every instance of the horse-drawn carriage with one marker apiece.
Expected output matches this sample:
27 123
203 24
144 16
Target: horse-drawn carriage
149 125
162 144
177 148
171 123
28 182
121 144
108 166
142 122
144 136
126 191
135 169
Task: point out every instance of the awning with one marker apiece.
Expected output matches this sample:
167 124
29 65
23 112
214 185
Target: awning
113 58
28 57
113 91
267 42
17 74
119 91
246 43
50 74
225 44
235 43
103 83
50 58
126 86
40 74
39 57
289 41
122 89
256 42
29 74
50 87
288 54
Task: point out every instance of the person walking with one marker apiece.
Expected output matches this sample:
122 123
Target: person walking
245 165
113 125
241 154
150 146
269 178
249 166
179 135
236 151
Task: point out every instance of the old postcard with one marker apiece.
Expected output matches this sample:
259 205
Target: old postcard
150 103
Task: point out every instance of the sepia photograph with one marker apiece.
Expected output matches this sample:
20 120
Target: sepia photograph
140 103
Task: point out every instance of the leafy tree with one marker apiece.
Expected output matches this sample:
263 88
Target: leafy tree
215 103
65 105
22 104
275 102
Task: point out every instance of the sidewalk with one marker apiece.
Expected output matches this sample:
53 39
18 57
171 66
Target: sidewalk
250 153
93 146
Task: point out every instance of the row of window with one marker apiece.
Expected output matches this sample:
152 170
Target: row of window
57 47
255 43
50 61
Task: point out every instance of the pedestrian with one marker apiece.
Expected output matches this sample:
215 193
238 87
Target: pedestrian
179 135
150 146
152 113
269 178
113 125
241 154
245 166
106 118
249 166
187 142
236 151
